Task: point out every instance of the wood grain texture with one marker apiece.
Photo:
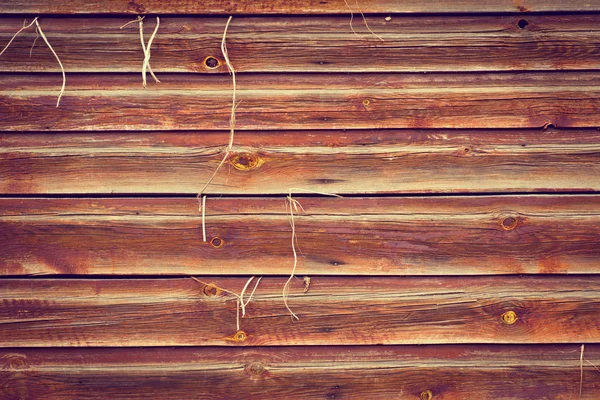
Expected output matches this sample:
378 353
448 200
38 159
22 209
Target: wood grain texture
312 44
303 101
289 6
335 310
263 162
399 372
351 236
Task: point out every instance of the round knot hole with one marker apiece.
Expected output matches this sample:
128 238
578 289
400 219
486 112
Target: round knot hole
426 395
522 23
211 290
240 336
217 242
509 223
257 368
509 317
16 362
211 62
246 161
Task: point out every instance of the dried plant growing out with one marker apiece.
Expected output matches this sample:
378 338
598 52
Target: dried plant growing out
229 148
294 205
240 303
40 33
145 47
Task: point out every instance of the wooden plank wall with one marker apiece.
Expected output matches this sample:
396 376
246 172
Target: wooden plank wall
462 135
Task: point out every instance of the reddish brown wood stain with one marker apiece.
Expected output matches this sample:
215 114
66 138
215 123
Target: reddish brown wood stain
465 145
344 162
412 43
336 310
487 100
393 371
290 6
387 236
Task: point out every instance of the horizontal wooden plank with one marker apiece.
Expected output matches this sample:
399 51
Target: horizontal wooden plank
352 236
312 44
291 7
303 101
399 372
345 162
348 311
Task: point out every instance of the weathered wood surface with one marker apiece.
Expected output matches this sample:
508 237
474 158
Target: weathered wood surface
301 101
290 6
304 131
350 236
335 310
345 162
312 44
401 372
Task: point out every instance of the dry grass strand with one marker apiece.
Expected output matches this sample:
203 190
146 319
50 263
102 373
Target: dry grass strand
351 19
138 19
364 20
233 106
237 315
232 72
145 48
39 32
220 288
286 287
240 303
64 82
581 371
202 210
581 360
146 65
367 24
295 205
592 364
37 36
17 33
231 129
253 290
